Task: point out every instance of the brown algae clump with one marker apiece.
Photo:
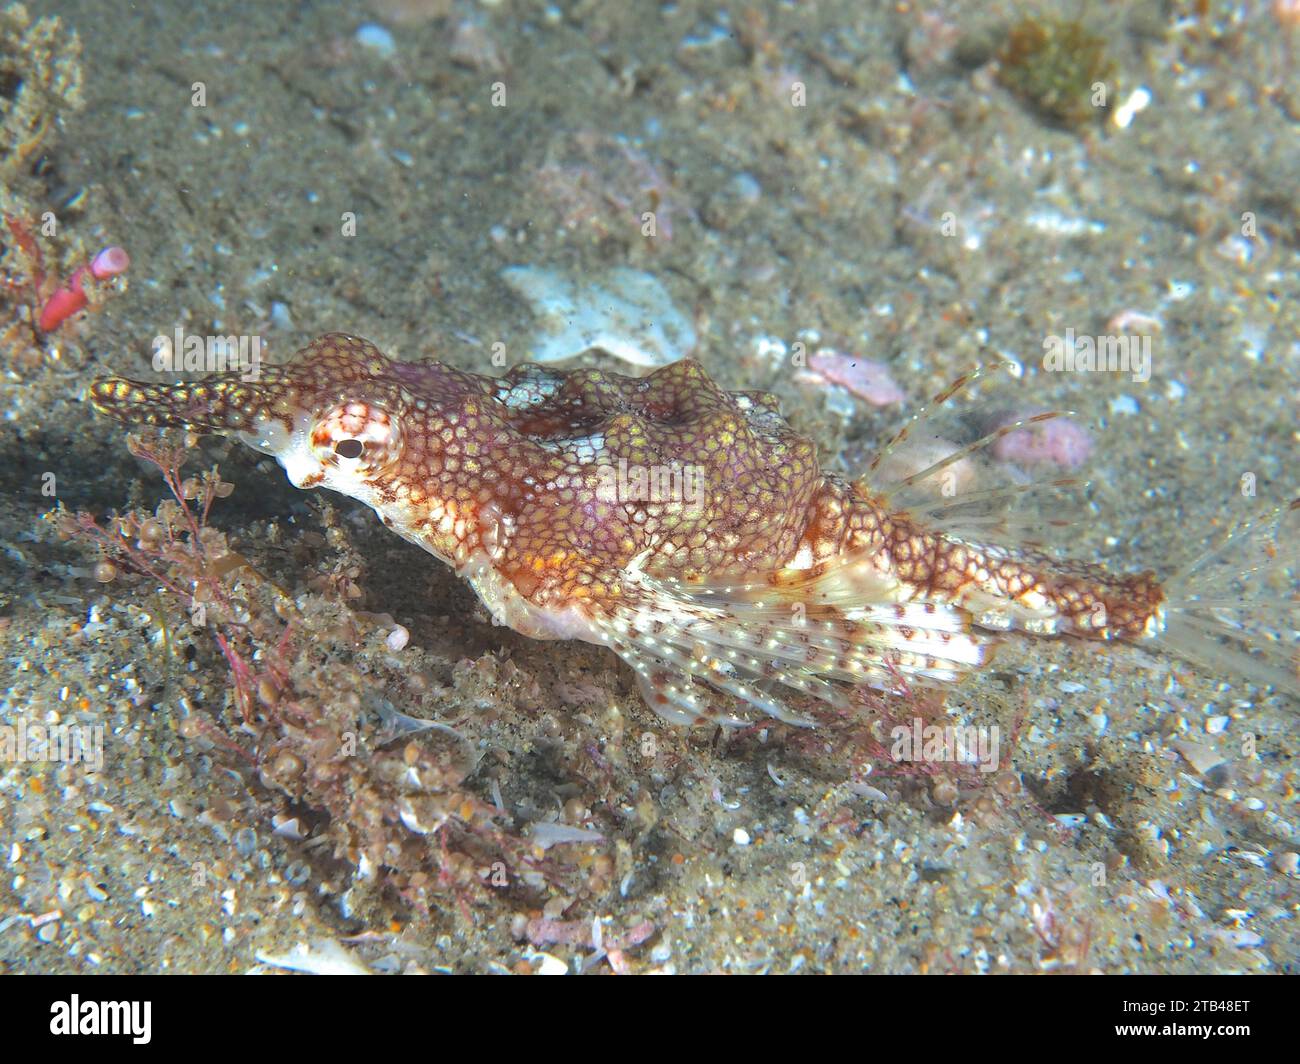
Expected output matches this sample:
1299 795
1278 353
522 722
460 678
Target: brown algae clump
40 78
387 811
1057 67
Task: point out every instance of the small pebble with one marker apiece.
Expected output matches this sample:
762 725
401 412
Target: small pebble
1200 757
280 316
1137 101
740 837
944 792
552 965
372 35
1288 862
745 188
245 841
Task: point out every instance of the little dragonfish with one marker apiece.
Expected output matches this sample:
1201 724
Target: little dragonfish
770 578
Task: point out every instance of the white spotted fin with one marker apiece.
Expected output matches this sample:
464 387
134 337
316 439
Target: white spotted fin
819 635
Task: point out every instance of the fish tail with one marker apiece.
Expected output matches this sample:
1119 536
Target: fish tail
1235 610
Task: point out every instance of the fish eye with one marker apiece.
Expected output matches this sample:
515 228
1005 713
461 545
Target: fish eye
356 438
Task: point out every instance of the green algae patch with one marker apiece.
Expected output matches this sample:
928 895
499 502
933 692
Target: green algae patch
1058 68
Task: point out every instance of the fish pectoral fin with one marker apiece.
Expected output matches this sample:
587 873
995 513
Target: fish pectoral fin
763 643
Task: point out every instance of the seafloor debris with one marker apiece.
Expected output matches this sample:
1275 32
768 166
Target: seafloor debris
863 377
322 957
607 186
1054 65
1061 442
40 79
628 314
472 45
